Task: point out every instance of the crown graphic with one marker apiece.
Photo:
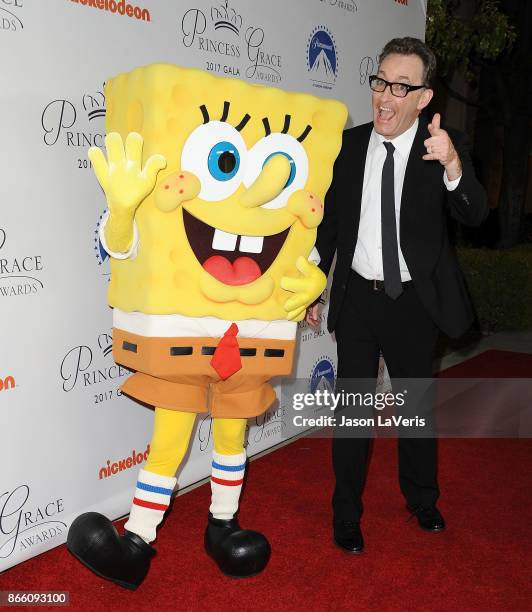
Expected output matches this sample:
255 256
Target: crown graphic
227 18
94 105
105 342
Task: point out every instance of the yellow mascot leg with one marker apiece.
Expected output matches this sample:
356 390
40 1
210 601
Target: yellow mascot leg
171 435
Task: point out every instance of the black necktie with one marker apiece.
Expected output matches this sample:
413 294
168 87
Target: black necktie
390 253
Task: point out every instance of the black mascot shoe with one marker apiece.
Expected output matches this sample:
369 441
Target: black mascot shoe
238 552
93 539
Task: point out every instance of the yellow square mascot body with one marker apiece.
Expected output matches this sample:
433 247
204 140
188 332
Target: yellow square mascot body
215 189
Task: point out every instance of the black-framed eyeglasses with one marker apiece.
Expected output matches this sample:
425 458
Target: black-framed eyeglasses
400 90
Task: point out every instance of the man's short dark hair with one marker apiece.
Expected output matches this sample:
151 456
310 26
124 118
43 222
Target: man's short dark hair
413 46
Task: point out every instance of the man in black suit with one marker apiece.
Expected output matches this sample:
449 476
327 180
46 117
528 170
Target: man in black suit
396 279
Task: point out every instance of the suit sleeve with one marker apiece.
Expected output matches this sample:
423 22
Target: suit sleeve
468 202
326 239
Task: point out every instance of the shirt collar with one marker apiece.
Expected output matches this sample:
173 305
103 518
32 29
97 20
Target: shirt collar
403 142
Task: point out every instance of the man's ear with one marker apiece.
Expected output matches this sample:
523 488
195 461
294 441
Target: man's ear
425 98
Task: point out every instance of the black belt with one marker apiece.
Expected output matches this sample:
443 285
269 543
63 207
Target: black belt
378 285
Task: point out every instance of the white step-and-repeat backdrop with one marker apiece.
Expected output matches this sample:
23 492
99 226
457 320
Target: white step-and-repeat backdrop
69 442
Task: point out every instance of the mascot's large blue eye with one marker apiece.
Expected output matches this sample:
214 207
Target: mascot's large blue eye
224 161
292 175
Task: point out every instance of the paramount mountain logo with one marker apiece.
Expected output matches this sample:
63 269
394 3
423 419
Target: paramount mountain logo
323 374
322 58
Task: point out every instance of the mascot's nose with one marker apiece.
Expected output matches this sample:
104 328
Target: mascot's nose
270 182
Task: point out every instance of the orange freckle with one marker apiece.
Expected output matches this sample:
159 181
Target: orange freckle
321 206
181 176
167 186
313 210
311 196
180 191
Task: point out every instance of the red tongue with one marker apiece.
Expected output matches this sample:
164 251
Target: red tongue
242 271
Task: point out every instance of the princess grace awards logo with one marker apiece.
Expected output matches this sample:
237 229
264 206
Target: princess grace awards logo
10 20
76 124
368 65
230 45
92 368
19 274
25 524
322 58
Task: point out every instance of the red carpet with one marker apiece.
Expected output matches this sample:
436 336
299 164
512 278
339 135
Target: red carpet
482 561
493 364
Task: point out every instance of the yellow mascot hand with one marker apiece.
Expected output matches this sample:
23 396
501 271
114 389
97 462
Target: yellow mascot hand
125 184
306 288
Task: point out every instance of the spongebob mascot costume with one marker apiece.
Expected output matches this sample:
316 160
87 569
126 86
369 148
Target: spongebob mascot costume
212 264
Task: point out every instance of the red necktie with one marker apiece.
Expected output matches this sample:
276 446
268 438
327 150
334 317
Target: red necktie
226 359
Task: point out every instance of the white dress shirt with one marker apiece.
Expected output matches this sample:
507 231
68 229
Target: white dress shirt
367 259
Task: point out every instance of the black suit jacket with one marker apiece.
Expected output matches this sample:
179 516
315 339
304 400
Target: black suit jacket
425 202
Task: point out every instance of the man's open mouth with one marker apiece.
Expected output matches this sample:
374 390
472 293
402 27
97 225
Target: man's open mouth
231 258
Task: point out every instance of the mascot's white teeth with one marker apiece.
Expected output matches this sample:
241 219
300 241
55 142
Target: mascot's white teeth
224 241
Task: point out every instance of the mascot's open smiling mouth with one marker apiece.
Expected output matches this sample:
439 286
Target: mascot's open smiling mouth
230 258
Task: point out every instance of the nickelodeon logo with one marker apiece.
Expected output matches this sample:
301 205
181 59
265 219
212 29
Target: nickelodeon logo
119 7
123 464
403 2
7 383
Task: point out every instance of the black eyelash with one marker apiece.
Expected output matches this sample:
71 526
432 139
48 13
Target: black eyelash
266 124
226 111
286 124
243 123
224 116
305 133
205 113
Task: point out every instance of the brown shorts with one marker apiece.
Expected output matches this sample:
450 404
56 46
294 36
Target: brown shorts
176 373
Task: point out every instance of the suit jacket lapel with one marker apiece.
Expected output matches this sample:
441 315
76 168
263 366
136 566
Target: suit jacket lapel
356 180
415 168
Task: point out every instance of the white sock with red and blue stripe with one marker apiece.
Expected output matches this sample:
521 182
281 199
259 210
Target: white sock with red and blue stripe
226 484
152 498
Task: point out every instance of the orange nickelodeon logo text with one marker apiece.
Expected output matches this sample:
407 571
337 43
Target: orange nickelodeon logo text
120 7
123 464
7 383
